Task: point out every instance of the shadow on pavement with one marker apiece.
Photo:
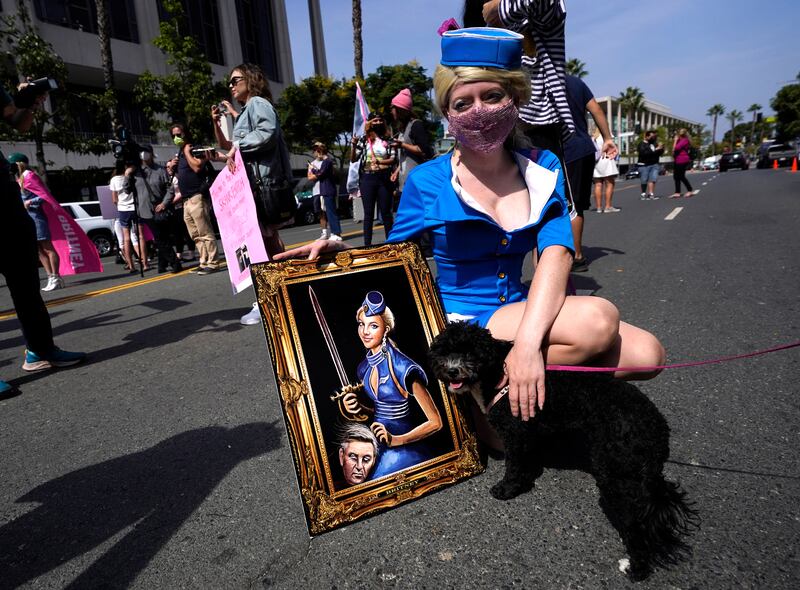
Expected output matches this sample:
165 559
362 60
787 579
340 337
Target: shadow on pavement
147 495
593 253
167 332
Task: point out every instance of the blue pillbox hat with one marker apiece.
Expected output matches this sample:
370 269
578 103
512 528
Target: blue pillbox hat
373 304
487 47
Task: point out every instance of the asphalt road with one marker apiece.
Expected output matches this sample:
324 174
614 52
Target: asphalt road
164 462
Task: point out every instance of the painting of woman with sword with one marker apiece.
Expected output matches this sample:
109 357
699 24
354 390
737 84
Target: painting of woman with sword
388 380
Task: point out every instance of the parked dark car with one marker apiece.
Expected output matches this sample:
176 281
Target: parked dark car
734 160
782 153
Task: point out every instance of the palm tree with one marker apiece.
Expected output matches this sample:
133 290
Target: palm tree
631 101
714 112
106 61
577 68
733 117
358 43
754 108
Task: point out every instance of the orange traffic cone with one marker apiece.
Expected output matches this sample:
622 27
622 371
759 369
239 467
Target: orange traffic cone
774 164
794 164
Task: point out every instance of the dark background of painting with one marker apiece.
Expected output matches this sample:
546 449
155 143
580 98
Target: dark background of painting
340 296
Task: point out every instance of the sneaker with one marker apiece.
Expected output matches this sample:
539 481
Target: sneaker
56 358
252 317
612 209
643 197
652 197
7 390
53 283
335 238
675 196
324 235
580 265
205 270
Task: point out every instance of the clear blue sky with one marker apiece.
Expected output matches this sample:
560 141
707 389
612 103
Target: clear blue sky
685 54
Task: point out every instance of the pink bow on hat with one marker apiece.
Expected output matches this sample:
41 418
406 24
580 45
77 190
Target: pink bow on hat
449 25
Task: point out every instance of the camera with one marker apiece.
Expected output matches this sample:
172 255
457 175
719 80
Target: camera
28 95
125 149
201 152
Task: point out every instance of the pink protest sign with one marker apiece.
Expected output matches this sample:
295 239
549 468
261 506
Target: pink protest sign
238 225
77 253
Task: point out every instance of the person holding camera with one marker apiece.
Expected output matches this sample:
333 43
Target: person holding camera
193 184
150 184
257 135
375 153
20 269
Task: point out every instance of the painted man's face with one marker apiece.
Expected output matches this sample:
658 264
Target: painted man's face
357 459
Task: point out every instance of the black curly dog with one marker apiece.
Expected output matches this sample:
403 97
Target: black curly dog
626 437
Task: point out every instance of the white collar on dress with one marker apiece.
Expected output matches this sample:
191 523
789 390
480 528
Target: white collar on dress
540 181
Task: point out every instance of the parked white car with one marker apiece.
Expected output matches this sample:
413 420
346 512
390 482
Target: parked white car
99 230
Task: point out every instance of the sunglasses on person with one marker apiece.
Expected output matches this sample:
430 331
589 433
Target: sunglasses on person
235 80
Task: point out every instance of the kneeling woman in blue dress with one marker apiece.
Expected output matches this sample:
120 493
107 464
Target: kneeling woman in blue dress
390 380
487 205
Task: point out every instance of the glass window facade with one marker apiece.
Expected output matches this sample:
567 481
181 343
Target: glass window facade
82 15
257 35
201 21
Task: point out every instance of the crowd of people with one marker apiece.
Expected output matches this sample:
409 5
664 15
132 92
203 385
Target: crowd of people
518 181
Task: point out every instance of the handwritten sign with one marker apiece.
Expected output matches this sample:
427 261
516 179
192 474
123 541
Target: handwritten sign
238 225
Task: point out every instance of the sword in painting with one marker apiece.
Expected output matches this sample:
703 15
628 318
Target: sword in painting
338 397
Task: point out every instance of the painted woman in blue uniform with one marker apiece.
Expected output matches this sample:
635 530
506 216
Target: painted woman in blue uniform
490 203
392 382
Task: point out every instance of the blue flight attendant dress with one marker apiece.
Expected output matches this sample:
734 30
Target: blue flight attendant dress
479 264
395 371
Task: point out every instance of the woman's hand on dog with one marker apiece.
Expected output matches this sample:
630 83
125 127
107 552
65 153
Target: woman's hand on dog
524 375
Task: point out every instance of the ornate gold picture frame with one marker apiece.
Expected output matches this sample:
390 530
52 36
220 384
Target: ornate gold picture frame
325 322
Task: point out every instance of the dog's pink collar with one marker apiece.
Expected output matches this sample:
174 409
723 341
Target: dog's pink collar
497 398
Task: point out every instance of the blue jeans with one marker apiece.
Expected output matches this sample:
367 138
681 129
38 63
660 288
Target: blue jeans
332 215
648 173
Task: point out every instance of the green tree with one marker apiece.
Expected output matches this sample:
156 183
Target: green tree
187 93
631 101
383 84
754 108
786 104
26 54
715 112
577 68
318 109
734 117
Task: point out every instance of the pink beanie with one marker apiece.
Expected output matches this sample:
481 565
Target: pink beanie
403 100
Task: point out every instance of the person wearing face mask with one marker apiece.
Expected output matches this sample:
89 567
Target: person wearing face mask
488 206
375 151
194 186
149 184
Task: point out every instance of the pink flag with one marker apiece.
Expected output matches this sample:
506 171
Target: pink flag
76 251
359 118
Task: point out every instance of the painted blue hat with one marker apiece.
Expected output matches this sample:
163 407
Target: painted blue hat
373 304
486 47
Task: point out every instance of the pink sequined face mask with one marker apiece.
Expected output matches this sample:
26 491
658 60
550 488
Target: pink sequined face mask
483 129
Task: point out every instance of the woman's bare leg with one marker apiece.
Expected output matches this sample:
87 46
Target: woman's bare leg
51 260
609 183
587 330
44 259
598 194
127 254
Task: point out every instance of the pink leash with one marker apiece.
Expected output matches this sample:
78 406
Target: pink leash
581 369
672 366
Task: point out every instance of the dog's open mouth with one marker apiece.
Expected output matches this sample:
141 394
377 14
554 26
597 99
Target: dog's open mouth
456 385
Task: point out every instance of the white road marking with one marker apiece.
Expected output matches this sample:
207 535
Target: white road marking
705 183
673 214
